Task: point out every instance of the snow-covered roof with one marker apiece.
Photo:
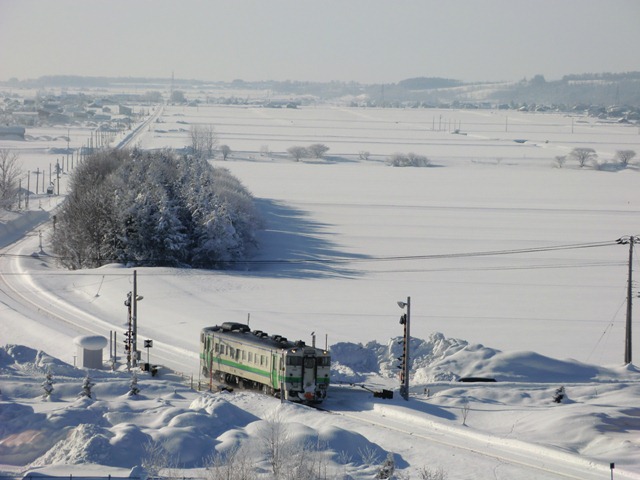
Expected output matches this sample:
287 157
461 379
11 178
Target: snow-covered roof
90 342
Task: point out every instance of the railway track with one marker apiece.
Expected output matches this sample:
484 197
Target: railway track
20 293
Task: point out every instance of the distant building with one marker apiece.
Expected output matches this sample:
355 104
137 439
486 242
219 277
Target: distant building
12 133
125 110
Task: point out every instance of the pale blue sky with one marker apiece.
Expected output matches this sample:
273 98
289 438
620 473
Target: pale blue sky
369 41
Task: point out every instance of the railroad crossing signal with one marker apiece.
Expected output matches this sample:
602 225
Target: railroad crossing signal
148 344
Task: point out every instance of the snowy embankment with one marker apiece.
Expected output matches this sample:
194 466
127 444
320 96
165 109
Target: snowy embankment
519 424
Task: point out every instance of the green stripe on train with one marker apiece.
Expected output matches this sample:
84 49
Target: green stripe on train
262 373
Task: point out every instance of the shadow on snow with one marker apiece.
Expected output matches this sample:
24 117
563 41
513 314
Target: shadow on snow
294 246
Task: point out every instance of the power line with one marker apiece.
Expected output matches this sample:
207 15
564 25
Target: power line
365 259
431 256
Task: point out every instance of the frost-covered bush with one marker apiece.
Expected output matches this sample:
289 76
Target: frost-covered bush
154 208
408 160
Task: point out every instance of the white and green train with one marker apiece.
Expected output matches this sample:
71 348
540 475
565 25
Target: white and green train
235 354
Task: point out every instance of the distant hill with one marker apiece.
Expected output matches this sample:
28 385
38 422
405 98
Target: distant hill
604 89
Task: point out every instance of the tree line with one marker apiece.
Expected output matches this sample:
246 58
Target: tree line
154 209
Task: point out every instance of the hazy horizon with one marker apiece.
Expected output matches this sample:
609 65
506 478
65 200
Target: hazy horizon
367 41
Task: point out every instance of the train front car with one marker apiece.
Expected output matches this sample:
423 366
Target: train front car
306 374
232 353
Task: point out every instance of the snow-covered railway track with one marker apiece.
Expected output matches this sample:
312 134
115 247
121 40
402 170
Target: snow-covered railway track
506 455
20 293
132 138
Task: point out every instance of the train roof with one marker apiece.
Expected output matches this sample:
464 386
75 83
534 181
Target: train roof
242 332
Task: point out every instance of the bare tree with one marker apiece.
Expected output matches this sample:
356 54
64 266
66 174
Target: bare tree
317 150
276 442
225 151
203 140
428 474
289 458
583 155
10 171
465 412
624 156
157 457
561 160
297 152
236 464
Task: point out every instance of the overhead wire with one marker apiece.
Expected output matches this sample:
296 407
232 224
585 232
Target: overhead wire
394 258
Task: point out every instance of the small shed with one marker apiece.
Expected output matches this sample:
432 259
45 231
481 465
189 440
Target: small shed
90 350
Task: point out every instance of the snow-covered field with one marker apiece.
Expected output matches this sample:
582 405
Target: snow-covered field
502 253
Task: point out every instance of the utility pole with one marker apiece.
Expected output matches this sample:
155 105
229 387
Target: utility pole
631 240
128 335
58 178
135 298
405 320
134 302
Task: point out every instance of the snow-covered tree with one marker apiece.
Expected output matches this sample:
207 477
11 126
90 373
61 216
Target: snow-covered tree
559 395
133 385
87 385
10 172
154 208
387 468
47 385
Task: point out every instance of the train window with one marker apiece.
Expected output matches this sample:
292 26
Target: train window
250 355
232 352
324 361
216 346
294 361
261 359
309 362
244 355
238 354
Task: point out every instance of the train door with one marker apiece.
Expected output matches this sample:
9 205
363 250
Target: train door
309 374
275 382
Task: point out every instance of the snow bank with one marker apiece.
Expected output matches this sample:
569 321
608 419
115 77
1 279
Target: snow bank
439 359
